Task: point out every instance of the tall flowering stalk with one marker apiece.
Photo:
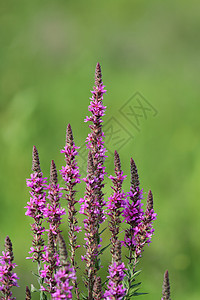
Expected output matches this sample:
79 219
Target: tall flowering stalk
133 213
166 287
51 263
8 278
116 203
53 212
117 269
71 176
145 228
93 202
35 209
95 141
91 210
115 289
140 228
64 275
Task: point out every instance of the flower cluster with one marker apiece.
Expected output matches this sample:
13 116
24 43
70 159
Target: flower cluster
115 289
53 211
63 287
57 272
51 262
93 202
95 142
64 275
8 278
71 176
166 287
35 207
145 229
133 213
116 202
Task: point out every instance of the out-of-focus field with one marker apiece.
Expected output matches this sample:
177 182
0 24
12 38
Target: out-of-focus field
48 54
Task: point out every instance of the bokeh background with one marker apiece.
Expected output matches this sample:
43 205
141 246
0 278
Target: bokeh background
48 54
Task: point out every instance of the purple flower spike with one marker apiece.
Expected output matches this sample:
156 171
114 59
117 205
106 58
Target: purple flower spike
145 228
8 278
90 208
133 213
51 263
53 211
97 292
63 288
166 287
93 202
36 207
71 176
95 141
116 202
70 172
64 275
117 270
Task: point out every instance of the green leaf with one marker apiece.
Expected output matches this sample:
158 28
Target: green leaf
103 249
102 230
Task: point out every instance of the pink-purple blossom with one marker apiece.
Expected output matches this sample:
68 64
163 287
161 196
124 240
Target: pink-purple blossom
36 207
115 289
8 278
71 176
53 210
63 278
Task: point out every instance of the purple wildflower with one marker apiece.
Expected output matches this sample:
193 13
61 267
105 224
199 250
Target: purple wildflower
115 290
8 278
145 228
97 289
70 172
36 207
133 213
116 202
64 275
71 176
51 263
63 288
91 210
166 287
93 202
53 211
95 141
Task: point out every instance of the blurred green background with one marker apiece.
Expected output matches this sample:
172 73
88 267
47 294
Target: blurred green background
48 54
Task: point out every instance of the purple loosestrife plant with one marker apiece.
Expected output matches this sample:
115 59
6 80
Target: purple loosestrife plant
166 287
57 273
91 210
116 203
145 228
115 289
8 278
93 202
95 141
71 176
64 275
140 228
35 209
53 212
